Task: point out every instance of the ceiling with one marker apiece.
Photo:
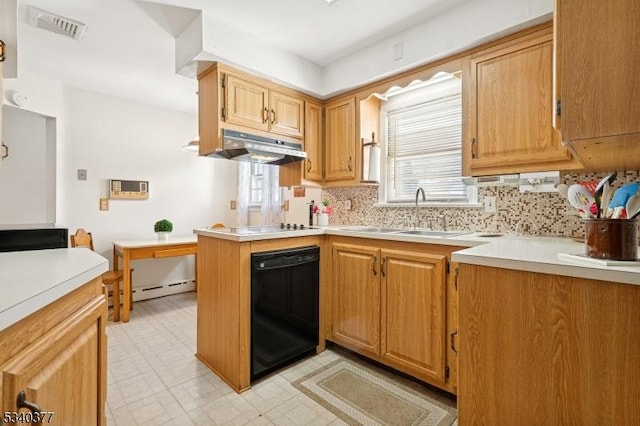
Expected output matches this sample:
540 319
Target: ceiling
128 48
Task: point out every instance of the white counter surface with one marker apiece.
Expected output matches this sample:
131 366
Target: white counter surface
30 280
540 254
523 253
227 234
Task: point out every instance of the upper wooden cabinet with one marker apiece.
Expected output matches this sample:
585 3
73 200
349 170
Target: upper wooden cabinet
231 99
246 103
313 141
341 154
252 105
508 109
597 83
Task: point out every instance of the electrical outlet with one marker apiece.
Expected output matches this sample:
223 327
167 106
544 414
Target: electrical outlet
286 205
490 204
232 204
104 204
347 204
82 174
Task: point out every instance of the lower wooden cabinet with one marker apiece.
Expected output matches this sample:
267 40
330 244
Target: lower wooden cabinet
547 350
390 303
356 297
57 362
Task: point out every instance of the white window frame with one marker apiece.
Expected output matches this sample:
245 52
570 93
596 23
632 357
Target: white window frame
255 176
406 99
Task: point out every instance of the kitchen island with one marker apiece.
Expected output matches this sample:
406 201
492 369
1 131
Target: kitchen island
533 336
53 313
224 296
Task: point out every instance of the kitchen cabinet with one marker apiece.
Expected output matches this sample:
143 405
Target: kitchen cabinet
356 297
597 86
390 302
313 143
252 105
60 347
507 108
547 350
341 153
231 99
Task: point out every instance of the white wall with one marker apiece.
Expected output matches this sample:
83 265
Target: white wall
28 174
455 30
116 138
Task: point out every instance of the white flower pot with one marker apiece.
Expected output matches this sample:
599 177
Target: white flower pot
323 219
163 236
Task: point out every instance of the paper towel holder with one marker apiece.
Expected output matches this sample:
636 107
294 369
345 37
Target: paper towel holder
370 160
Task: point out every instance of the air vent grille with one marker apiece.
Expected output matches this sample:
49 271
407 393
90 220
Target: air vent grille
57 24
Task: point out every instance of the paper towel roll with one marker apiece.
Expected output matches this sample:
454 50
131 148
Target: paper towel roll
374 163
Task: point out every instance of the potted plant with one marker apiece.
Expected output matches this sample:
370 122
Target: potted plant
163 227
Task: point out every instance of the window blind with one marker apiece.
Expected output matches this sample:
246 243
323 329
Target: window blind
424 149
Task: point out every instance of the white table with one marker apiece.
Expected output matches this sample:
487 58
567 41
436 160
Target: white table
130 250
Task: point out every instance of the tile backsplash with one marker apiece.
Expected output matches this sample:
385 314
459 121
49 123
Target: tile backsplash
538 213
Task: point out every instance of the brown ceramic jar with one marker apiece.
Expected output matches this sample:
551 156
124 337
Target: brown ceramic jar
615 239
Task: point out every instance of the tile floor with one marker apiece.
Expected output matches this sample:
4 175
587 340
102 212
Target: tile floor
155 379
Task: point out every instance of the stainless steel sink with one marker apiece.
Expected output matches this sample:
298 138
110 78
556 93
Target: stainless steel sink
429 233
380 230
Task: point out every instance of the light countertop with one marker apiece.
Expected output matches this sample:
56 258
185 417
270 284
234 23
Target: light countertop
524 253
30 280
172 240
226 234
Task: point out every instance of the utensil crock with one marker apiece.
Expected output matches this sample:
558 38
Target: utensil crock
615 239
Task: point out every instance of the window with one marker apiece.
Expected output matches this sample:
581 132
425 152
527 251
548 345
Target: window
256 182
424 144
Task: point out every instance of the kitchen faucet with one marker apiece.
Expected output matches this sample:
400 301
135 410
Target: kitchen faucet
416 221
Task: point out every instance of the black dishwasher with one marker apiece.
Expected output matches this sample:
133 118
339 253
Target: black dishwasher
284 307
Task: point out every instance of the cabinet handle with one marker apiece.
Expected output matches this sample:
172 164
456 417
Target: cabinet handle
558 107
308 165
6 151
349 164
273 116
375 260
382 263
21 402
265 114
453 347
473 148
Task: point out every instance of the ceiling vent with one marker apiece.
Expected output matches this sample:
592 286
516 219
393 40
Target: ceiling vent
57 24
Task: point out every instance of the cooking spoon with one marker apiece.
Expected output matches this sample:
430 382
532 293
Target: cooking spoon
581 198
597 193
623 193
633 206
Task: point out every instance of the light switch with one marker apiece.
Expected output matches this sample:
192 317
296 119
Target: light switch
104 204
489 204
82 174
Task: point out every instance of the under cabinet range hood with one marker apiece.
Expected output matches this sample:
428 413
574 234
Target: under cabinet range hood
258 149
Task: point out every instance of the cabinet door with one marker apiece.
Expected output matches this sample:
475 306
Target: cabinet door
413 307
63 372
356 297
598 52
340 140
313 141
286 114
508 110
246 103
